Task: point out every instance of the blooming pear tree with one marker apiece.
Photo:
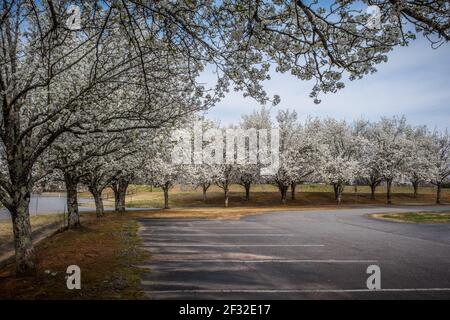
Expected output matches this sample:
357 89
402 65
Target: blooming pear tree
224 176
418 167
440 161
286 174
201 175
303 153
248 174
56 79
69 155
298 152
339 163
98 174
162 173
370 173
392 149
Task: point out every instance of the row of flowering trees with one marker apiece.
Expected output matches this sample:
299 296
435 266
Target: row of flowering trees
74 96
327 151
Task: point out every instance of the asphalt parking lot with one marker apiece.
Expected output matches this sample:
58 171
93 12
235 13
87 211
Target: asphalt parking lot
296 255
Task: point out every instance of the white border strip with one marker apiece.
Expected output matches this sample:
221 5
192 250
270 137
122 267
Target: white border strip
262 261
230 245
292 290
220 235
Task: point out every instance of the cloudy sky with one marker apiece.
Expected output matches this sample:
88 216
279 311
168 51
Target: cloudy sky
415 82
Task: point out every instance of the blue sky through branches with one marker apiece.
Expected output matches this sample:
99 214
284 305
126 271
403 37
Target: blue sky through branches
415 82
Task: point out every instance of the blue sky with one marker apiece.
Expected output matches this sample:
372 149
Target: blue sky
415 82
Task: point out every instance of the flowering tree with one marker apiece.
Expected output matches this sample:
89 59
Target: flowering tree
303 152
201 175
286 174
71 155
339 163
248 174
98 174
160 172
299 152
418 167
370 173
392 150
440 161
56 79
224 176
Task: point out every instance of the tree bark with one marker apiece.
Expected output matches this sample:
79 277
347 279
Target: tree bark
283 190
73 215
338 189
122 196
204 189
438 193
247 186
166 197
335 191
25 254
373 187
99 209
388 191
416 188
226 196
120 192
293 187
339 198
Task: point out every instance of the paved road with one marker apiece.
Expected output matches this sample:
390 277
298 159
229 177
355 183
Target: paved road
296 255
48 204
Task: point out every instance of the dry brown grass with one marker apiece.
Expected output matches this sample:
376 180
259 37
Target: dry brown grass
37 222
184 199
105 250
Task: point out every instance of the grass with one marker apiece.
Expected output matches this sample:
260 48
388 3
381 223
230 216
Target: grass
415 217
143 196
268 196
37 222
106 251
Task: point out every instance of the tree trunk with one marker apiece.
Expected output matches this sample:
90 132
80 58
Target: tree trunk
388 191
335 192
120 193
416 188
293 186
247 191
226 196
204 189
73 216
438 193
339 198
25 255
338 189
373 187
99 209
283 191
115 189
166 197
